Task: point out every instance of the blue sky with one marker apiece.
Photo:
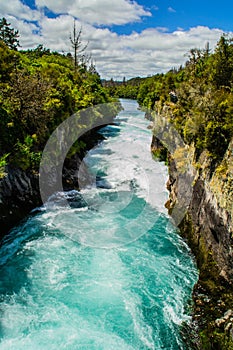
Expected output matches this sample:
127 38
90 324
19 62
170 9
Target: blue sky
126 38
184 14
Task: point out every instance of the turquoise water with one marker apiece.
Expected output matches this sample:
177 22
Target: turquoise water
107 272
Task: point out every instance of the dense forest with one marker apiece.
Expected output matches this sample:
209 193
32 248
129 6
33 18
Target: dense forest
38 90
197 98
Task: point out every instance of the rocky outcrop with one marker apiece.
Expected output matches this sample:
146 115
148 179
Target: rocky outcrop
20 192
208 228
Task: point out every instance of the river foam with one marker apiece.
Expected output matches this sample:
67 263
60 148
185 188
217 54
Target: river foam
109 271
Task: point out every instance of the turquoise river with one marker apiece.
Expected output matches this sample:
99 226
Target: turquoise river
108 271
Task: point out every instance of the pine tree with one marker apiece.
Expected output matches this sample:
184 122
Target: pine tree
223 63
8 35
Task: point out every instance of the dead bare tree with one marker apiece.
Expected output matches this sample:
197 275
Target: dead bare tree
77 45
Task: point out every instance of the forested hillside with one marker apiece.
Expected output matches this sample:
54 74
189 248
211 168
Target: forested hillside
198 97
38 90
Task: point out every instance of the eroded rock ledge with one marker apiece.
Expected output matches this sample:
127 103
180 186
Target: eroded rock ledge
208 228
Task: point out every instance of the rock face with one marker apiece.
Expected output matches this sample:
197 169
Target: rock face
208 228
20 192
213 228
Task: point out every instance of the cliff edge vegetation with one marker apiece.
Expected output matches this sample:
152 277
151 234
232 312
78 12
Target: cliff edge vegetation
198 101
39 89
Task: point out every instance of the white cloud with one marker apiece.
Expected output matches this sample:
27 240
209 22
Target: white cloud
101 12
154 7
55 32
170 9
28 32
152 51
19 10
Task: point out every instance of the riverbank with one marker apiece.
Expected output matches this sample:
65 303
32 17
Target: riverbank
207 228
19 189
111 262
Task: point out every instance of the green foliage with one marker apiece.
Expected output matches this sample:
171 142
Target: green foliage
8 35
203 111
38 90
161 154
8 60
24 156
222 67
3 163
77 147
125 89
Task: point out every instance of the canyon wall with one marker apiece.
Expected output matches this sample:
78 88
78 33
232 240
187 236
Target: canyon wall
207 226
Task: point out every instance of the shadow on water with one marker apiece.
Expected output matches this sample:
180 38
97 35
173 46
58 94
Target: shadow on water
110 131
15 259
102 183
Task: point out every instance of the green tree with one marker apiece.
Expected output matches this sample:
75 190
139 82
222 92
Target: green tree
8 35
8 60
223 63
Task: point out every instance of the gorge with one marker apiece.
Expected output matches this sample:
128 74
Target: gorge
111 261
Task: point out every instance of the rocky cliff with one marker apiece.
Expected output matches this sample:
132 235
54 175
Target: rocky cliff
207 225
20 192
